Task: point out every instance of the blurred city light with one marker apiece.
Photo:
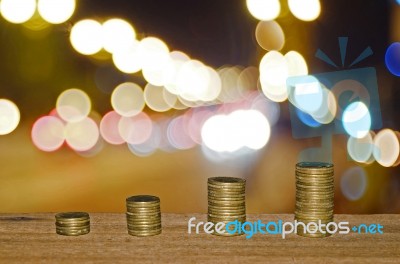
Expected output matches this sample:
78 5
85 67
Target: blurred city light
193 82
357 120
264 9
386 147
127 99
17 11
150 145
269 35
360 149
9 116
109 128
353 183
296 63
177 59
306 10
135 129
392 58
56 11
48 133
155 99
82 135
128 60
178 134
275 70
241 128
73 105
118 34
87 36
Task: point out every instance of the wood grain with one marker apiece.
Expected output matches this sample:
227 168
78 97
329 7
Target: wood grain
31 238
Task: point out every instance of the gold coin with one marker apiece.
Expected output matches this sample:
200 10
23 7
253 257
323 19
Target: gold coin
73 233
72 229
142 200
143 222
226 180
314 166
145 233
72 216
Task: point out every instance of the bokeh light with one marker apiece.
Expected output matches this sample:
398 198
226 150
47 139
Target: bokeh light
356 120
149 146
82 135
178 134
230 90
264 9
328 110
171 99
127 99
118 34
177 59
273 74
48 133
306 94
194 119
9 116
17 11
193 81
247 81
87 37
297 65
307 119
154 98
109 128
241 128
354 90
73 105
269 35
315 103
306 10
386 147
392 58
360 149
353 183
152 51
136 129
128 60
56 11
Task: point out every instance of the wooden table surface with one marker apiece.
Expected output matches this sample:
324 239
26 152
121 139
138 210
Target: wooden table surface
31 238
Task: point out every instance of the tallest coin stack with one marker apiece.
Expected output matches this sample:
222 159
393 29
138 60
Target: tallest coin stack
314 197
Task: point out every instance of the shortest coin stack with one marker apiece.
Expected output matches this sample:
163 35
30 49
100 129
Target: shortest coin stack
72 223
143 215
226 201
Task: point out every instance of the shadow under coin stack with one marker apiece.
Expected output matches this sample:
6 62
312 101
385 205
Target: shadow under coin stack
314 197
143 215
226 201
72 223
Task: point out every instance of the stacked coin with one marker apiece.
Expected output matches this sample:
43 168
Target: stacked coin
72 223
226 200
143 215
314 197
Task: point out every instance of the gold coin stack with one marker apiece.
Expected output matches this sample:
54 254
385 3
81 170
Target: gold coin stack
143 215
72 223
226 200
314 196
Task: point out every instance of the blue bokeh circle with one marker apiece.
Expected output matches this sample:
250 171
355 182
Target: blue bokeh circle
392 58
